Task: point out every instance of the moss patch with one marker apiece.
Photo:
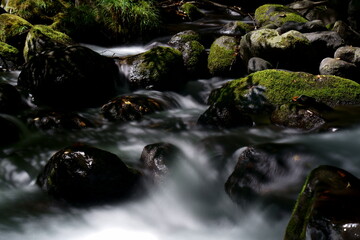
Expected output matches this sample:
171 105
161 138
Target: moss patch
8 52
12 26
281 86
276 14
191 11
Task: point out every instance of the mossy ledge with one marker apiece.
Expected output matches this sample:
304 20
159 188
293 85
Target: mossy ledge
281 86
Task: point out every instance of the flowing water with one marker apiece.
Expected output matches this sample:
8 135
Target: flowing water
191 204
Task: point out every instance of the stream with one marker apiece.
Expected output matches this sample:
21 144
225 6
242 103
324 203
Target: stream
191 204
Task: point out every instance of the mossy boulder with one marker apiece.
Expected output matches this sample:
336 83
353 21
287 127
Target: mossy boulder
10 57
236 28
192 11
42 38
276 14
13 30
223 57
178 40
36 11
132 107
85 174
70 77
327 207
291 50
195 59
160 68
280 87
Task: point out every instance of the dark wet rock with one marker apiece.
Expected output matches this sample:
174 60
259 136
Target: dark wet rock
349 54
195 59
70 77
43 38
10 99
2 10
178 40
236 28
10 57
324 44
132 107
278 87
290 50
160 68
10 130
223 59
350 36
256 64
327 207
192 11
50 120
85 174
276 14
224 116
268 173
311 26
158 158
13 30
304 113
338 67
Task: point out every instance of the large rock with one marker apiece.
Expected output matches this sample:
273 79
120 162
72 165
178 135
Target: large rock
279 87
178 40
338 67
13 30
349 54
10 57
327 207
131 108
160 68
84 174
42 38
290 50
223 57
276 14
195 59
268 173
70 77
192 11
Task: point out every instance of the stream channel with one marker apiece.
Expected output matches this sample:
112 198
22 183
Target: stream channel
191 204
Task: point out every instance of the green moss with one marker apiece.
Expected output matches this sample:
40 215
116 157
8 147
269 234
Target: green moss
281 86
8 52
276 14
222 55
192 11
244 27
197 50
12 26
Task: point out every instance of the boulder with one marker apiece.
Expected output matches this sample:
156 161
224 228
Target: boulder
13 30
276 14
223 57
178 40
268 173
70 77
224 116
349 54
195 59
256 64
131 107
50 120
279 87
236 28
338 67
42 38
160 68
290 50
85 174
327 207
10 57
157 159
191 11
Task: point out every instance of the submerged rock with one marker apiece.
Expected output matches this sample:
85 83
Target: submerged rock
160 68
70 77
85 174
268 173
327 207
130 108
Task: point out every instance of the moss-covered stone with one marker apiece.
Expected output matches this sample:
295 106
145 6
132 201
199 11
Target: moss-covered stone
280 87
160 68
223 55
276 14
191 11
41 38
8 52
178 40
195 59
36 11
327 207
13 29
